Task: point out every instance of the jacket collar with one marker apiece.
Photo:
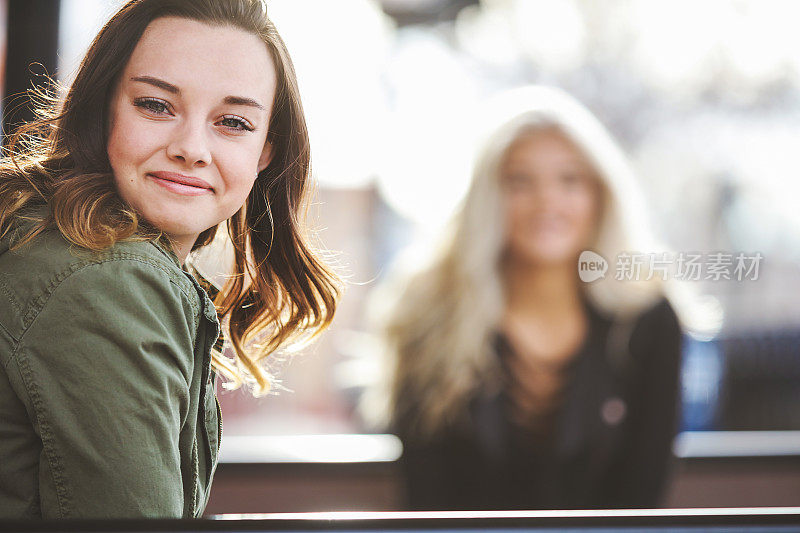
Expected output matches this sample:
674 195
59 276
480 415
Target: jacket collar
163 245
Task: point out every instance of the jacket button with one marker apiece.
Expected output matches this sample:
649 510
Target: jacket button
613 411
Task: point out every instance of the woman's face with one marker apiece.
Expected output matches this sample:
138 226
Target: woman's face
188 124
552 199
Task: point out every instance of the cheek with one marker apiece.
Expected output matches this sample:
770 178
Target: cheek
115 147
516 212
118 157
128 145
240 170
239 177
584 208
244 188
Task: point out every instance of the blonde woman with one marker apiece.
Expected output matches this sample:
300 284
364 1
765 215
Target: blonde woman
512 383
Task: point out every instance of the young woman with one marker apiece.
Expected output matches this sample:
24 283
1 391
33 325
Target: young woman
512 383
184 115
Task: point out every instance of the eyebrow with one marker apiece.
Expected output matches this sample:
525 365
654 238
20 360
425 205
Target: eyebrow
241 100
161 84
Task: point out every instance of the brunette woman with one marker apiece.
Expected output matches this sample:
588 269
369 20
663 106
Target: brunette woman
184 117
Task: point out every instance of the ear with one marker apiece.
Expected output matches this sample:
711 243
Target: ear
266 156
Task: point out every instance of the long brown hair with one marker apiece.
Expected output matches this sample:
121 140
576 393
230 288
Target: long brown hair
61 160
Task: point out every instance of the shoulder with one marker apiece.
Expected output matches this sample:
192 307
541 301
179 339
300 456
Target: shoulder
49 267
105 317
658 317
657 336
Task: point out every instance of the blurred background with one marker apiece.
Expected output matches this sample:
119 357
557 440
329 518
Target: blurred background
703 96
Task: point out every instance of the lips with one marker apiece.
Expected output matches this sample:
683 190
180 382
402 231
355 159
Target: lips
181 184
184 180
547 222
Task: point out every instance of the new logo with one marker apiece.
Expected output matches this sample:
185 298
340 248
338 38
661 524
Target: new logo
591 266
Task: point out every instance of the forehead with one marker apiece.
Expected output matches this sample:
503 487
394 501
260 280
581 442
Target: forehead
543 146
204 58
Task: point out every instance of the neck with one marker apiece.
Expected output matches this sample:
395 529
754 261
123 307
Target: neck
533 289
182 246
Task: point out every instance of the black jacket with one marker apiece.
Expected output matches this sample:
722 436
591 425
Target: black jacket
611 442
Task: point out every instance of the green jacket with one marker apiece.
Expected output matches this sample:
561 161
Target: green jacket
107 403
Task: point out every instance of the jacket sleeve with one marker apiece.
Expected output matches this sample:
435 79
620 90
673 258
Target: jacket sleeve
640 474
106 365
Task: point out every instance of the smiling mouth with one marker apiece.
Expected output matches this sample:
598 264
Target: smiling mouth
548 224
183 185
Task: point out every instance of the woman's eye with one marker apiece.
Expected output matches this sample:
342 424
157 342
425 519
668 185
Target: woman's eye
517 182
571 179
158 107
236 123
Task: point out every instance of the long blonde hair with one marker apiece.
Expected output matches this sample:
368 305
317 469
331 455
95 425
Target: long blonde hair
437 322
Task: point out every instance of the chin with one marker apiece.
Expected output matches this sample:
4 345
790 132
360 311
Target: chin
172 225
550 257
552 261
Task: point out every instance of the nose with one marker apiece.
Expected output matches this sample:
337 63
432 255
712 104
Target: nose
545 193
190 146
